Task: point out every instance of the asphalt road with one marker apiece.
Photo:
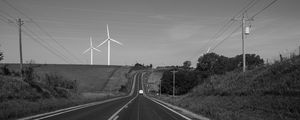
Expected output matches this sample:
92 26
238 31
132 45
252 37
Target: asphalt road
134 107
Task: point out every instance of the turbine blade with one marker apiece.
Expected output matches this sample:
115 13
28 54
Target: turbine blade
107 30
208 50
116 41
86 50
91 42
102 42
96 49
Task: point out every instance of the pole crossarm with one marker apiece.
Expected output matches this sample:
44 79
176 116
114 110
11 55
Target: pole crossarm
243 20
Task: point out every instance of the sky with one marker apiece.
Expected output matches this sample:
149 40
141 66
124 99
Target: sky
158 32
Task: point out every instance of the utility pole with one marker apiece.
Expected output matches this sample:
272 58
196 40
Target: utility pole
243 43
20 23
299 50
244 19
174 71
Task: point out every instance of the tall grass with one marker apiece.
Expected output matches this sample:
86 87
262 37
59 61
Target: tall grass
270 92
33 94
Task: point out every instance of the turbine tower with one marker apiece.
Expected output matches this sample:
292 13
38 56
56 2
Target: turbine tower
108 40
91 49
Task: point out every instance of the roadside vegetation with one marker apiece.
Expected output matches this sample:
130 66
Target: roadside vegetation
266 92
41 90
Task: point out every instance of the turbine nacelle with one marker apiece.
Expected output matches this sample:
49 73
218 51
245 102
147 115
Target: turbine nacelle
91 49
108 40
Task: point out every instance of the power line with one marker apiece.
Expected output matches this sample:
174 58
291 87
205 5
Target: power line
40 43
267 6
246 8
1 11
47 44
220 42
43 30
78 60
229 23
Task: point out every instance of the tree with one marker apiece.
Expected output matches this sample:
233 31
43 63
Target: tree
212 63
1 56
184 82
187 64
252 60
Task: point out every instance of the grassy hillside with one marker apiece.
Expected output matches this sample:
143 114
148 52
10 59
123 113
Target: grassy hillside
154 81
117 80
270 92
51 87
90 78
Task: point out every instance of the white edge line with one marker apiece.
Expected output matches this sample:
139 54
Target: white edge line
116 113
116 117
126 105
169 108
164 105
65 110
194 115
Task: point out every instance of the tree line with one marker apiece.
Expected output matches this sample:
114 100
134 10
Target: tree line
209 64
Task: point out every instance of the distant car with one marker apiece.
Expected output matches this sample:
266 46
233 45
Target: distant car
141 92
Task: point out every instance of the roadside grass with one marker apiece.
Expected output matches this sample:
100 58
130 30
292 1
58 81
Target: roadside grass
41 92
91 78
153 81
118 81
20 108
270 92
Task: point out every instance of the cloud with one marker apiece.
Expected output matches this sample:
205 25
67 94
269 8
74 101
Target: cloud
183 31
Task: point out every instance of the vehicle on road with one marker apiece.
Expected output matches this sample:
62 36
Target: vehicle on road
141 92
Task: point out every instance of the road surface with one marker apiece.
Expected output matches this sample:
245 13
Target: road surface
133 107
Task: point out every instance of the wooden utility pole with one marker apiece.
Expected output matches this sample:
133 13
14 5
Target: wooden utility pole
20 23
174 71
243 19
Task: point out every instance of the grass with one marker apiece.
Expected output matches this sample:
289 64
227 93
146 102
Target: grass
270 92
117 80
49 87
154 81
90 78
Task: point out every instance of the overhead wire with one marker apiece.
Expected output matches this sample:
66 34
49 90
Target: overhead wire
267 6
44 46
61 56
229 23
220 42
238 14
43 30
45 42
260 11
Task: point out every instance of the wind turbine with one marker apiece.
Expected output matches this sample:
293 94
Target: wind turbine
108 44
91 49
208 50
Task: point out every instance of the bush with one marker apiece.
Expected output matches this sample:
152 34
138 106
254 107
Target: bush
28 74
123 88
53 80
5 70
184 82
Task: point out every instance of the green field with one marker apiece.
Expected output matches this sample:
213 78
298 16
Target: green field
91 78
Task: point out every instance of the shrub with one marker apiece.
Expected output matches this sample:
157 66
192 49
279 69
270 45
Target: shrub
123 88
54 80
28 74
5 70
184 82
